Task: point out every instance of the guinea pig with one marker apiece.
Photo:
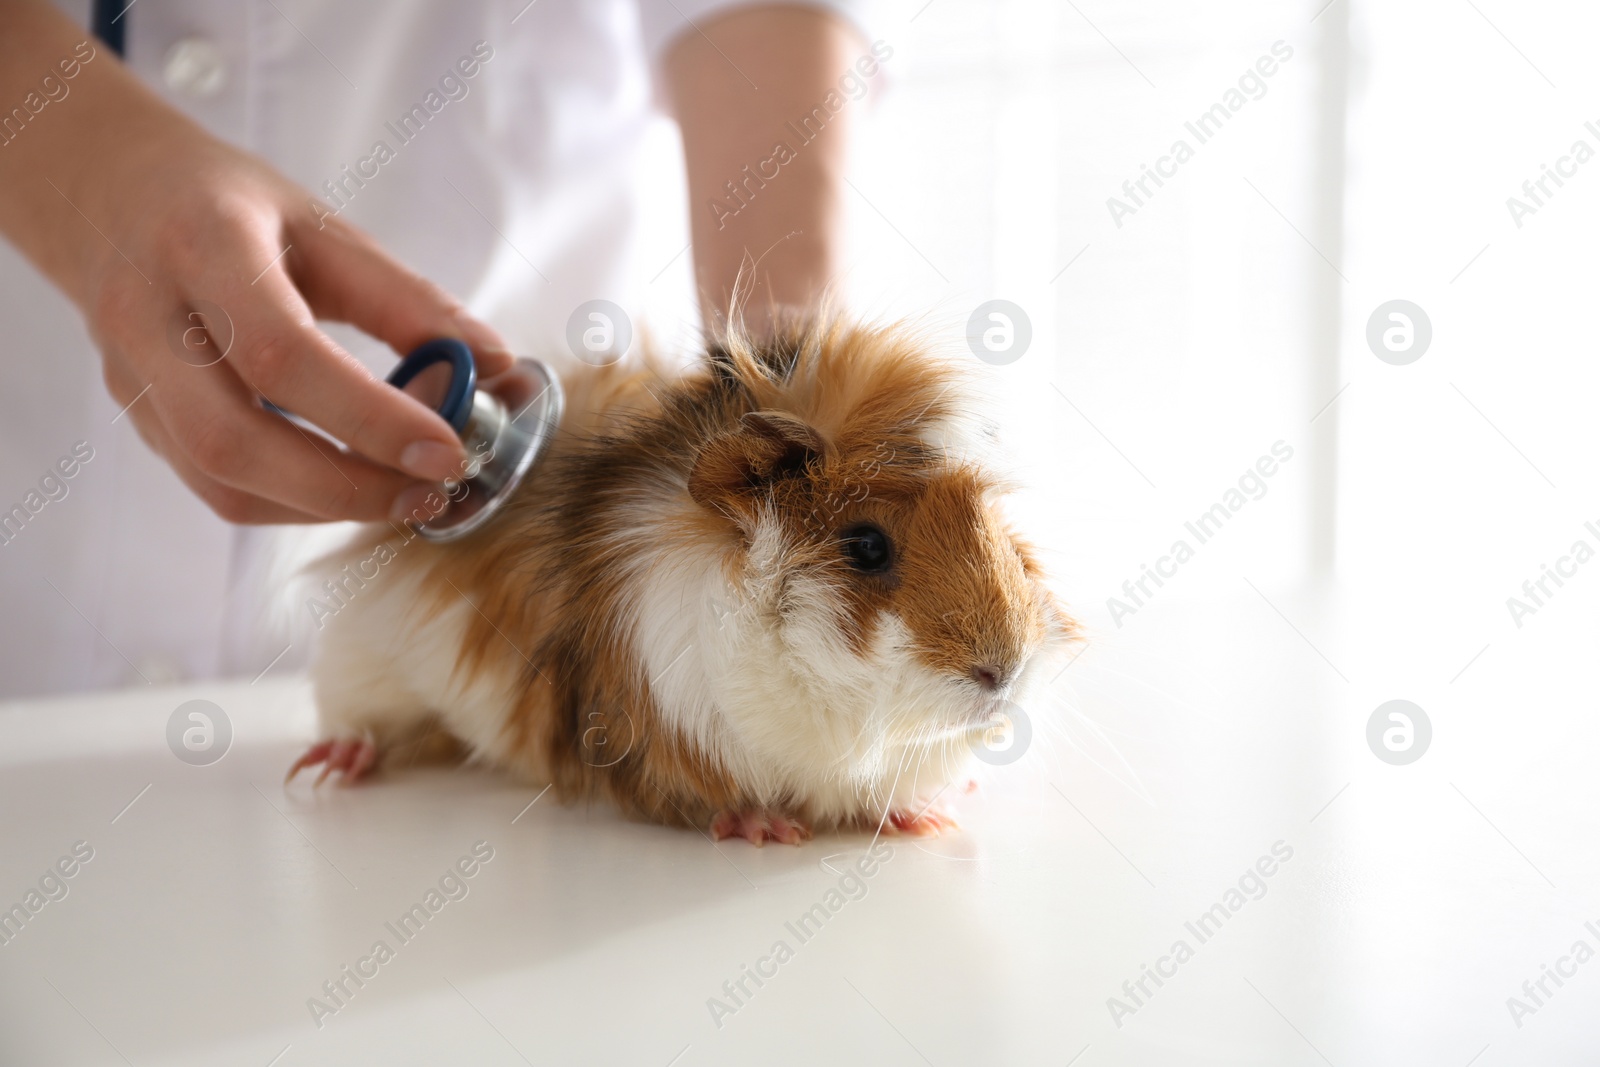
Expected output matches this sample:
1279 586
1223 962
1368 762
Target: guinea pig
767 596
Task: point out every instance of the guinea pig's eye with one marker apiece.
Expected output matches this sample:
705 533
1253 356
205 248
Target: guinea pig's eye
867 548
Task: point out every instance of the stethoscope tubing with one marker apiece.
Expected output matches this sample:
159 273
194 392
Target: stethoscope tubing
109 21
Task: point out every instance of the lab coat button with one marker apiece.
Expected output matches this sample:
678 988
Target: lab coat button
195 67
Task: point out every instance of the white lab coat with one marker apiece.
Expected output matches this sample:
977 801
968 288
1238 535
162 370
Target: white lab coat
516 196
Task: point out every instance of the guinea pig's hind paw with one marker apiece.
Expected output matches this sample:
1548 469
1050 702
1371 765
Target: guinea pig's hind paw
929 822
759 827
353 757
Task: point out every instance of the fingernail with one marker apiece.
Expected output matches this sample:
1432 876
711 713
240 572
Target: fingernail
433 460
417 503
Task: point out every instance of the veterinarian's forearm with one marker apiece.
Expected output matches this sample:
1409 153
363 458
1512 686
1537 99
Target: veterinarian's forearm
765 190
62 95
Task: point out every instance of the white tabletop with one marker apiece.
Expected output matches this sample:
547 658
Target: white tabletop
1416 901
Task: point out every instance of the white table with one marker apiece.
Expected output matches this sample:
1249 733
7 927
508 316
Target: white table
1417 900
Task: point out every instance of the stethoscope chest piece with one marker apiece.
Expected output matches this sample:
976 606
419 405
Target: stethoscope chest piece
505 423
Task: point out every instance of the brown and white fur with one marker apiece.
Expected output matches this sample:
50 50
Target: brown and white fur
664 614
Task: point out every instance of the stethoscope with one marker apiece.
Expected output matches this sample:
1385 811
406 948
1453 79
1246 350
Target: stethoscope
504 425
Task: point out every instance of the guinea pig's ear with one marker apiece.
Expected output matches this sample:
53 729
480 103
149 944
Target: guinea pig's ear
768 445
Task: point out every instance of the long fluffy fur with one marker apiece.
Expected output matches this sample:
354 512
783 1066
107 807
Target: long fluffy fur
663 615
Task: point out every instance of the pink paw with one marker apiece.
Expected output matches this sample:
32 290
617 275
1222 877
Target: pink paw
759 827
930 821
353 757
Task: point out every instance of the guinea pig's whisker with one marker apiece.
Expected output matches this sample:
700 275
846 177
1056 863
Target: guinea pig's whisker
1087 681
1076 716
888 802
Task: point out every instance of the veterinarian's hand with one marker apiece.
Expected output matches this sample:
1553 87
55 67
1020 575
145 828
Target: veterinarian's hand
139 216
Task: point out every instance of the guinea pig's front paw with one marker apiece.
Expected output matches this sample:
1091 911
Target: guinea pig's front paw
930 821
759 827
352 756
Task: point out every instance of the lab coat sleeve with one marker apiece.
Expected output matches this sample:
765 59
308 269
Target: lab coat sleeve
664 21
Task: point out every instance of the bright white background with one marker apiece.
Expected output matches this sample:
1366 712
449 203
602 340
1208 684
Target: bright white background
1231 312
1228 312
1230 713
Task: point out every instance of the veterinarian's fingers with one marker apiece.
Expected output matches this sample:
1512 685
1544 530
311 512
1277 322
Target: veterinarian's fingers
213 420
347 277
231 505
280 353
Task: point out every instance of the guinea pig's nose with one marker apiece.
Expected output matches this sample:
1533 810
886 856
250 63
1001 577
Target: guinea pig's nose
989 676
